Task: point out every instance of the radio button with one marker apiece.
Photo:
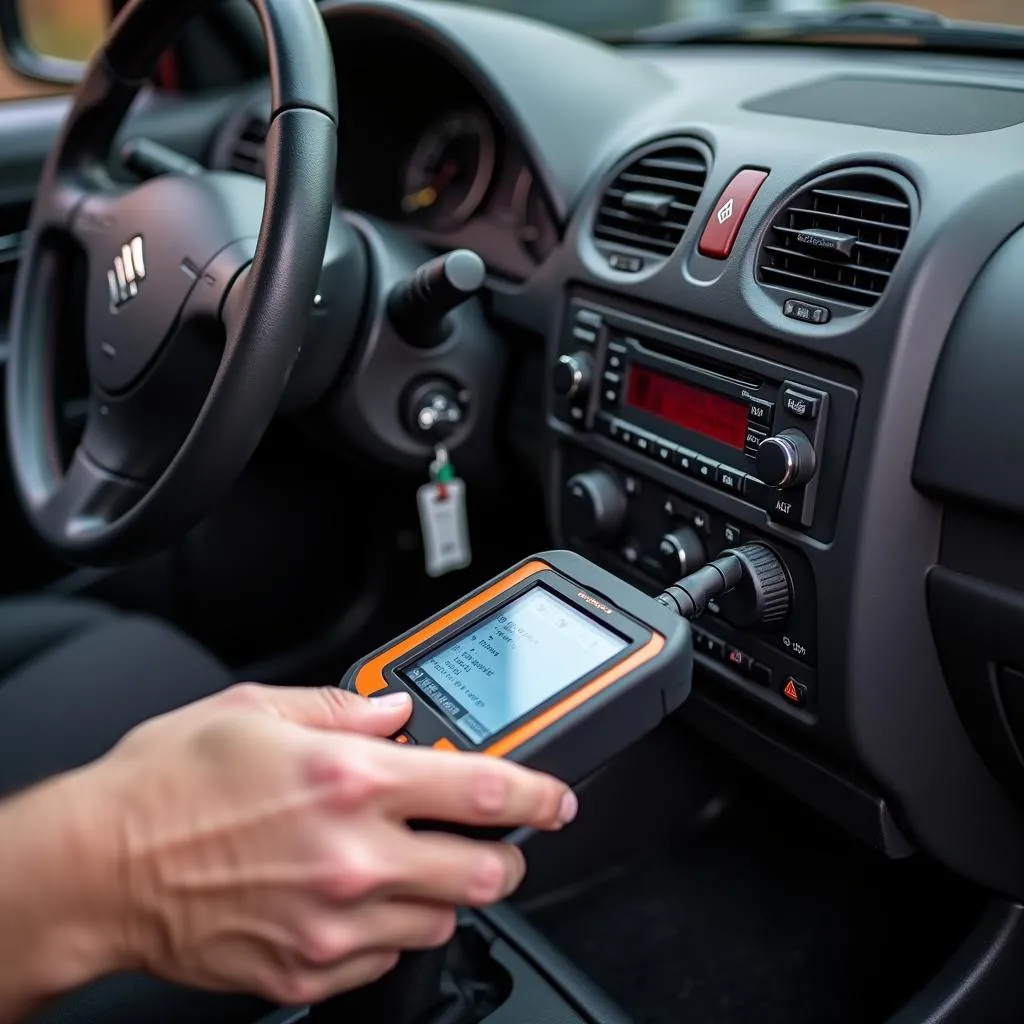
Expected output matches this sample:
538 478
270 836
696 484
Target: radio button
615 361
686 461
572 376
606 425
707 469
760 413
585 334
643 443
730 479
665 452
800 404
589 317
754 439
786 460
612 378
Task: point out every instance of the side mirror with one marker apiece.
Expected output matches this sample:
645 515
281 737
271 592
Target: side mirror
51 40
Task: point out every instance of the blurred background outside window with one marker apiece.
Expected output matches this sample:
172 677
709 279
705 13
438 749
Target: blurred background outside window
71 29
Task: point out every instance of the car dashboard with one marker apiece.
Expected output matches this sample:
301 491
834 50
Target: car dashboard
775 291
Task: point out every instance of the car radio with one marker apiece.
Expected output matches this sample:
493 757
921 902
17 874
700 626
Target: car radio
760 437
670 447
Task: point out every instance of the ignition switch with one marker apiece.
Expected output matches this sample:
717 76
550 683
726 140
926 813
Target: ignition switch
434 410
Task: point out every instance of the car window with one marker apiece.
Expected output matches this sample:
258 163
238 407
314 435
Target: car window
65 29
601 17
62 29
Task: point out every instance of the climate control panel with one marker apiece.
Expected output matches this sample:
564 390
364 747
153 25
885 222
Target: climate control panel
645 532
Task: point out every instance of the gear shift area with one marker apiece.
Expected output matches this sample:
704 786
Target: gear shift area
496 970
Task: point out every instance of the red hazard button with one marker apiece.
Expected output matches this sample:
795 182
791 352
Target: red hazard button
724 223
794 691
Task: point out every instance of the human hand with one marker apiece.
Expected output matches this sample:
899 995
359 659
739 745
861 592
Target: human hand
263 843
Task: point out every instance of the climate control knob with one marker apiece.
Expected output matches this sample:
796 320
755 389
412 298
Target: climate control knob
786 460
680 553
573 375
594 506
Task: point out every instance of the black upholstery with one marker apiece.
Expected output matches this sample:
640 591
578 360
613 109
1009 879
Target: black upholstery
75 676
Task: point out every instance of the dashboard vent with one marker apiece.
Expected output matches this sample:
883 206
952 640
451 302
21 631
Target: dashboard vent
648 206
839 239
247 154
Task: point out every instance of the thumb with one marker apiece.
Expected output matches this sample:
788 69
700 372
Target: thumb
330 707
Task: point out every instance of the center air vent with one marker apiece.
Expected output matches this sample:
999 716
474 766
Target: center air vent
647 209
248 152
838 239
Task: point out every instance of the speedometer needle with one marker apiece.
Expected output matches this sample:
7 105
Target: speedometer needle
428 195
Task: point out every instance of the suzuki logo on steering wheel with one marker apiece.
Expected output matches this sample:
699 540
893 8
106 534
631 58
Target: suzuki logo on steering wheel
128 272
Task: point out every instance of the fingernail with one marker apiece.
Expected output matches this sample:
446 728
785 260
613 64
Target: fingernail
391 700
568 807
515 877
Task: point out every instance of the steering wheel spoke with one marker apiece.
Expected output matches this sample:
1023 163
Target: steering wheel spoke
86 500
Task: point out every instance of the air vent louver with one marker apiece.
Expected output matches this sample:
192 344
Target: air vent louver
648 206
838 239
247 154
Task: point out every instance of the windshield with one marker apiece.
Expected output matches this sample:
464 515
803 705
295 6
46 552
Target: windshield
615 17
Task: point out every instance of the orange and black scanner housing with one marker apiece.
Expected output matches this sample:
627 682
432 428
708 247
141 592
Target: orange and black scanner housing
556 664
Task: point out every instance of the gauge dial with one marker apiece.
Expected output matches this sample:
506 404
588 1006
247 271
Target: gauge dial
534 225
450 170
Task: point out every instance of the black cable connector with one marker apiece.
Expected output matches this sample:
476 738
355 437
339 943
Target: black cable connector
759 588
690 595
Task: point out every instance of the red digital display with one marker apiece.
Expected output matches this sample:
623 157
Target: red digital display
714 416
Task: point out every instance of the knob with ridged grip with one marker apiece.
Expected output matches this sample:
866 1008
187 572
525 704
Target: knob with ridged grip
764 596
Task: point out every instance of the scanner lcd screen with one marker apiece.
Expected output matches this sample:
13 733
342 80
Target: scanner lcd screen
512 662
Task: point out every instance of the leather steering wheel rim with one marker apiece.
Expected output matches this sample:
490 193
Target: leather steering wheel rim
202 258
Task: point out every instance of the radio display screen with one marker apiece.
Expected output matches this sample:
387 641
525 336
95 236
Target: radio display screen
704 412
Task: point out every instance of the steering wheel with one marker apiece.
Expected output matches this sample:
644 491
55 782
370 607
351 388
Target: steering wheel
197 288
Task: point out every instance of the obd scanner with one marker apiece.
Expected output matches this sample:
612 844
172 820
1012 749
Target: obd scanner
558 665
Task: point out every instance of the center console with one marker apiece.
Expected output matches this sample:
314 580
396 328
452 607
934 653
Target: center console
671 446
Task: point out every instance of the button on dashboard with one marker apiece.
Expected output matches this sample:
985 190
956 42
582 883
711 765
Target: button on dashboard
800 404
739 660
794 691
797 309
643 443
730 479
759 413
589 317
724 224
707 469
686 460
665 452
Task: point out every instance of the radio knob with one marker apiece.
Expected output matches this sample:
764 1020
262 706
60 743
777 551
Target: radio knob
786 460
680 553
573 375
594 506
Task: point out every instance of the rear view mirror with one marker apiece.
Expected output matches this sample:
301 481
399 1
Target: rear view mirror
52 39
